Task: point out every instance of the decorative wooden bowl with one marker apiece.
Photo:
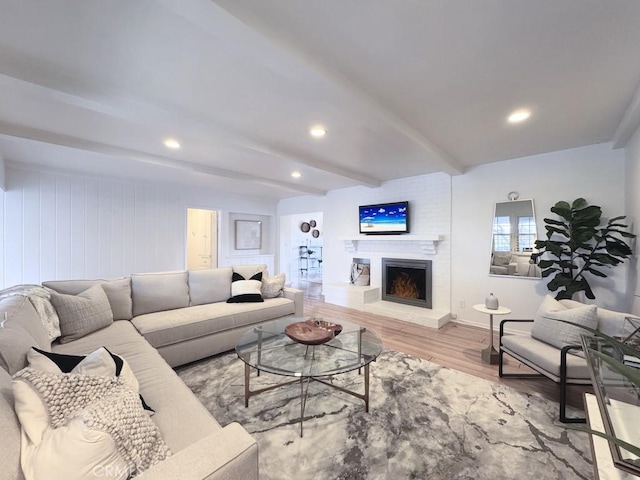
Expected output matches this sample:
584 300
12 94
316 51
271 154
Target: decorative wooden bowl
312 332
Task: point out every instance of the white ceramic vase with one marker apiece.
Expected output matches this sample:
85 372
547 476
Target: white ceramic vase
491 302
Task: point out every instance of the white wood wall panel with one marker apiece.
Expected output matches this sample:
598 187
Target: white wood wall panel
63 226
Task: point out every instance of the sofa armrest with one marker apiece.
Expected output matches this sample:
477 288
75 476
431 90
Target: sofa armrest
511 320
228 453
298 298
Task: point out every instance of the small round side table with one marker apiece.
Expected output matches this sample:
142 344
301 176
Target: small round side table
490 354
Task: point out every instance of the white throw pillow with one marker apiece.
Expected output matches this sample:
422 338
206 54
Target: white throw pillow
73 452
29 407
243 291
272 286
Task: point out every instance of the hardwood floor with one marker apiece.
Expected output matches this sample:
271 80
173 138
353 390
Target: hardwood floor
455 345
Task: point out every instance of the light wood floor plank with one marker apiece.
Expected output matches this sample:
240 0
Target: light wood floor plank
455 345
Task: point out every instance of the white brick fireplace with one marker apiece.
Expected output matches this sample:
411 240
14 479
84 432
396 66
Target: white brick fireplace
368 298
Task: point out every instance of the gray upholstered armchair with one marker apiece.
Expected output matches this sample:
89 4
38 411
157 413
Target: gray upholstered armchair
553 348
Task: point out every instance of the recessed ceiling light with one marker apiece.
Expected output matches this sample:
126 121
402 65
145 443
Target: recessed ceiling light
172 143
519 116
318 131
296 174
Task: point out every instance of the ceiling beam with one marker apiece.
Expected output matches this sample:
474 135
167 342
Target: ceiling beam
44 136
131 108
305 159
630 122
446 162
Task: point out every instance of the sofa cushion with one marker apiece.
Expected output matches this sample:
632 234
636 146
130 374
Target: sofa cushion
534 352
210 286
174 326
10 428
156 292
83 313
20 329
272 286
118 292
20 309
159 384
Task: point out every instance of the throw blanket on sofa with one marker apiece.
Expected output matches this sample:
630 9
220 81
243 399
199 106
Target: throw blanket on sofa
105 404
40 298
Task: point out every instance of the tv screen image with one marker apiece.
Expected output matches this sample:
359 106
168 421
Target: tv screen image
384 218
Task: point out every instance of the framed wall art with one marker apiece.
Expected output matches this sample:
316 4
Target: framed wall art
248 235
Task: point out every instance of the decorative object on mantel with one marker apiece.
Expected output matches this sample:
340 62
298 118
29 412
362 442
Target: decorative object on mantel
491 302
360 272
577 245
314 331
305 227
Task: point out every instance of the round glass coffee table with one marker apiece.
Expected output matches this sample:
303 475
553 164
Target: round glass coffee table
269 349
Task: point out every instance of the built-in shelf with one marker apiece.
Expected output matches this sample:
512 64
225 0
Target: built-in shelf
428 243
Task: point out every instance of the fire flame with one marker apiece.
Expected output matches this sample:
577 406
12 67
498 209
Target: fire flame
404 287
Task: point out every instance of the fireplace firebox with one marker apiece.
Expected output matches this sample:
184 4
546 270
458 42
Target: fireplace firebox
407 281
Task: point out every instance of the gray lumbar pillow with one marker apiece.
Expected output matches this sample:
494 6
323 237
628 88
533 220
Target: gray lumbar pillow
548 328
83 313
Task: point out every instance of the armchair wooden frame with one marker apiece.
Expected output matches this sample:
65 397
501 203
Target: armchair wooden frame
563 382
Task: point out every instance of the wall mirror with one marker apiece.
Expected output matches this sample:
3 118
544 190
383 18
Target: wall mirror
513 237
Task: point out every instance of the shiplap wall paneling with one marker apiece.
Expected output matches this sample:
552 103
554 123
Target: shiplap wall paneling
31 225
78 226
63 226
13 233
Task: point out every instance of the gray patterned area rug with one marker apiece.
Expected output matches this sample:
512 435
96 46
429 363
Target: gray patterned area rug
425 422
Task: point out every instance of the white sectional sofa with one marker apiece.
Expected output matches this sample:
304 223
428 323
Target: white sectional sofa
159 320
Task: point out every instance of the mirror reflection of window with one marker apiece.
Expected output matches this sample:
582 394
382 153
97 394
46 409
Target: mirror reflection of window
513 239
501 234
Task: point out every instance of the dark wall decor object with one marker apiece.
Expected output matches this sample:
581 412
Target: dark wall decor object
578 246
312 223
315 233
305 227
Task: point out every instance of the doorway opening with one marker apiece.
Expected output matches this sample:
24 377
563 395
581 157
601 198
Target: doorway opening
202 238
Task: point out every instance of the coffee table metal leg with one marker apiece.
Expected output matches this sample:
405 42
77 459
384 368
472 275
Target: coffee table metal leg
366 388
303 400
247 374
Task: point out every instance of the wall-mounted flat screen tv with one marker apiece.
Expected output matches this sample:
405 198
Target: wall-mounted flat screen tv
384 218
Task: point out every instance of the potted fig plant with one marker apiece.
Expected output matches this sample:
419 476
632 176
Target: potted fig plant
577 246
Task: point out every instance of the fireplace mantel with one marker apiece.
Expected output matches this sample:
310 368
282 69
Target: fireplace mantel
427 243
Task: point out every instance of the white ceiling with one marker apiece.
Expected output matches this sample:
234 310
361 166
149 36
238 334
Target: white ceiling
404 87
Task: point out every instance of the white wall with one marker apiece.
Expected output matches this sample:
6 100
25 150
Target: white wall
62 226
430 213
632 202
595 173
